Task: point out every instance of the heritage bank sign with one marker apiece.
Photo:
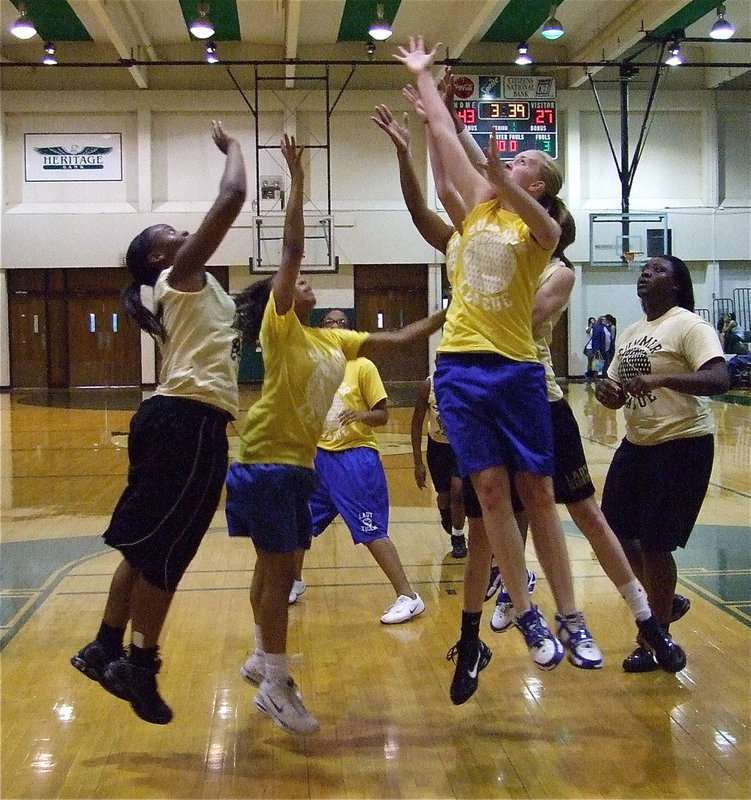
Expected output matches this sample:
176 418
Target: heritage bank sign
73 157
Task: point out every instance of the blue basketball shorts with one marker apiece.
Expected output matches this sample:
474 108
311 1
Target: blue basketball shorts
270 504
495 412
351 483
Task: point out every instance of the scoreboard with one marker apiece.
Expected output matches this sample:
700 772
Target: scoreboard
520 109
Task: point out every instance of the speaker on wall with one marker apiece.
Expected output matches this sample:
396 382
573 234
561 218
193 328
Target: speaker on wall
656 243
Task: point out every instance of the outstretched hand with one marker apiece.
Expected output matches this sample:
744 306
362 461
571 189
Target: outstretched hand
221 138
414 98
414 57
399 134
495 169
292 155
446 88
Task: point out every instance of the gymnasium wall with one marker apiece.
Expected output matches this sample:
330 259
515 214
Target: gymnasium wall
696 165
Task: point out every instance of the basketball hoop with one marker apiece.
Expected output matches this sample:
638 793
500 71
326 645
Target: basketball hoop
628 256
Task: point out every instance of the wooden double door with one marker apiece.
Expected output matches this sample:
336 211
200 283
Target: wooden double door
68 329
387 297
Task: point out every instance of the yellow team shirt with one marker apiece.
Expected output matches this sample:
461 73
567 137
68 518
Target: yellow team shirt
361 389
303 369
494 278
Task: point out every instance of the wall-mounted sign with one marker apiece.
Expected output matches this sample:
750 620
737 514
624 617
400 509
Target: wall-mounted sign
73 157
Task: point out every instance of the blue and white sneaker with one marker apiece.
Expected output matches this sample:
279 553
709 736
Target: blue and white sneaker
504 615
582 650
545 649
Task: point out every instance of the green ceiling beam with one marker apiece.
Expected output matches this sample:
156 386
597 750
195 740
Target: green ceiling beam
55 21
519 20
358 14
689 14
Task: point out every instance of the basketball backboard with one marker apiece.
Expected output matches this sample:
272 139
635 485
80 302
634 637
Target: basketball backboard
628 239
267 234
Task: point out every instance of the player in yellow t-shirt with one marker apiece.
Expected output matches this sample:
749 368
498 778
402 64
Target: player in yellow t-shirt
489 383
269 485
351 479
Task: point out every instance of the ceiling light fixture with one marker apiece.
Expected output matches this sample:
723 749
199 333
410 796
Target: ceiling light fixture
211 55
379 29
674 59
523 58
722 29
23 27
49 54
552 28
201 26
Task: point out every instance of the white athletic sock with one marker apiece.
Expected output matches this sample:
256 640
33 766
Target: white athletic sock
277 668
258 641
633 593
457 531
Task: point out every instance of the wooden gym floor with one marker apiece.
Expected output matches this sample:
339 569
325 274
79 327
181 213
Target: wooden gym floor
388 729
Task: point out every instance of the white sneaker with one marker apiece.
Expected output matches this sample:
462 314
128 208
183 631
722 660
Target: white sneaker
576 638
403 609
546 650
254 669
282 702
298 587
504 615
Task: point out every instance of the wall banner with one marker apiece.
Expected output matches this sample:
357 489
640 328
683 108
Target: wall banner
73 157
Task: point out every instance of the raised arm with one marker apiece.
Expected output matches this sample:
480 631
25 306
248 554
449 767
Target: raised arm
471 148
472 186
189 267
450 198
429 224
418 420
293 238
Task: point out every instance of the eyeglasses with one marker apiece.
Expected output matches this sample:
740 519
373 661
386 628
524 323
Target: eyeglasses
340 323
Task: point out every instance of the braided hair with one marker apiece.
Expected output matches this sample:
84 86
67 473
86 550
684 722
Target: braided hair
143 274
250 305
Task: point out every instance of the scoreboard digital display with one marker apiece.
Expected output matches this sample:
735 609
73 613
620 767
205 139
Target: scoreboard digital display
520 110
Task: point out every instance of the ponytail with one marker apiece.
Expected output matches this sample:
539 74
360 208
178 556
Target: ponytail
142 316
563 217
251 304
137 261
